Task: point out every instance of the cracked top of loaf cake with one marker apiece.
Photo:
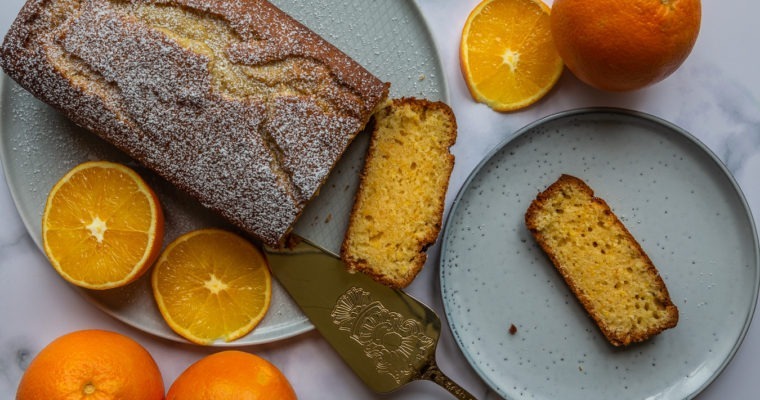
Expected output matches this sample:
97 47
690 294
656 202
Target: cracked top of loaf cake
234 102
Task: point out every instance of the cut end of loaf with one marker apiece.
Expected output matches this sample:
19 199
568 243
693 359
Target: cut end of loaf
398 209
604 266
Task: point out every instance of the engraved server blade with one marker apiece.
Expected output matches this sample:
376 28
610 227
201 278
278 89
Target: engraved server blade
387 337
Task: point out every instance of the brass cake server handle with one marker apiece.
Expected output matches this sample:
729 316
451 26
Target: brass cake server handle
434 374
387 337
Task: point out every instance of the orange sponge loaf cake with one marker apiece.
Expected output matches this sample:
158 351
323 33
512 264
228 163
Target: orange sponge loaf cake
601 262
234 102
399 205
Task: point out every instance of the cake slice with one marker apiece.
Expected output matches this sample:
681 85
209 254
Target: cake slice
399 205
601 262
234 102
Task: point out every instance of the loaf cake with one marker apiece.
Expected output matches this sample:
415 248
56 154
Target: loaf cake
601 262
234 102
399 205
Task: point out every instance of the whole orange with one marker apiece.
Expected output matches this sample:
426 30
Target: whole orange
620 45
92 364
231 374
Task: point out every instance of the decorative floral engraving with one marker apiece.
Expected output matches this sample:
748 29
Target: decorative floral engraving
395 344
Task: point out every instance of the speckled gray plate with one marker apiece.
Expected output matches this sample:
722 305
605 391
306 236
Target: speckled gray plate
38 146
675 197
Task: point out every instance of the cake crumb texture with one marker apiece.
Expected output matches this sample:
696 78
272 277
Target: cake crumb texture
234 102
399 205
602 263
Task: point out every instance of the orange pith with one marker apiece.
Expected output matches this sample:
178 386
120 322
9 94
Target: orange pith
94 365
620 45
231 375
102 226
507 53
212 285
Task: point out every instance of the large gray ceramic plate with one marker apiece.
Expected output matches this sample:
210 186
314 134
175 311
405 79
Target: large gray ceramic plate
38 146
675 197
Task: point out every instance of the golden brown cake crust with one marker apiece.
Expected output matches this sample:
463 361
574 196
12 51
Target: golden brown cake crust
541 206
377 267
248 113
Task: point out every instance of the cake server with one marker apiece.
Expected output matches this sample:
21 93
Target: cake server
387 337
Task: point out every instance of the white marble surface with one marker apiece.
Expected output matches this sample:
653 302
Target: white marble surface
715 95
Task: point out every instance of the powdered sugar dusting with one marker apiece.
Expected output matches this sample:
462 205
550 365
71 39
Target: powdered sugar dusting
255 155
297 120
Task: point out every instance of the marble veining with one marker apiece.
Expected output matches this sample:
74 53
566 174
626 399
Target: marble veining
726 118
16 355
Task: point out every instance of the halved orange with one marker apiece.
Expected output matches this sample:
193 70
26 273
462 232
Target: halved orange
507 53
102 226
212 285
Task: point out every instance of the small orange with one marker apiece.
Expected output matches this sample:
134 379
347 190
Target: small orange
211 284
92 364
507 54
231 374
622 45
102 226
